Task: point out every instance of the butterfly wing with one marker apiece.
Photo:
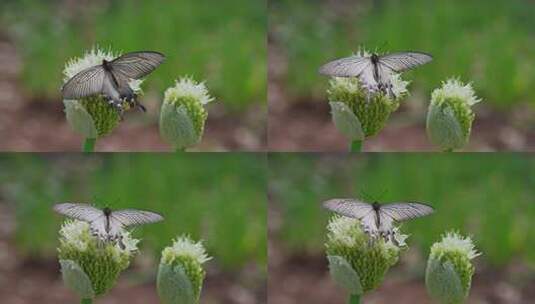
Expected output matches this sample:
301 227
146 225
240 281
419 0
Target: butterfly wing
133 217
403 61
355 209
349 207
404 211
85 83
346 67
82 212
136 65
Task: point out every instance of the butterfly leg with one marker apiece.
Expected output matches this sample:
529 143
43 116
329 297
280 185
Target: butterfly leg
390 91
117 105
134 103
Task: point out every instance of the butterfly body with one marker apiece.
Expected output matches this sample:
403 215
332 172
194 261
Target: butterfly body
107 224
112 78
375 71
377 220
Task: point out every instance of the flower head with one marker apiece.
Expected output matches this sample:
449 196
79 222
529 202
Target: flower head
450 116
180 274
357 262
85 258
358 113
183 114
92 116
449 268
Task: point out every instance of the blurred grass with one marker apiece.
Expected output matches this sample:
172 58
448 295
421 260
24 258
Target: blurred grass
220 41
489 196
489 42
220 199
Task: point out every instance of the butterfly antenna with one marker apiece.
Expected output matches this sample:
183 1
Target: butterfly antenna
382 48
367 196
385 191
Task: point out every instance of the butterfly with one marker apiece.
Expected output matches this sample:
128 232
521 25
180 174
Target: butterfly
377 220
111 78
375 71
107 224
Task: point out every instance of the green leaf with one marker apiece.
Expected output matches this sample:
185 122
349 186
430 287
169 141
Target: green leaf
174 286
443 128
346 121
76 279
177 127
443 283
344 275
79 119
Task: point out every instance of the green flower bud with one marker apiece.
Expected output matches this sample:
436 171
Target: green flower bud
449 268
358 113
450 116
356 262
89 266
180 274
183 115
92 116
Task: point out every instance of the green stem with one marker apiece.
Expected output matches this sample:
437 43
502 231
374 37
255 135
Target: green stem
354 299
86 301
356 146
89 144
180 149
449 150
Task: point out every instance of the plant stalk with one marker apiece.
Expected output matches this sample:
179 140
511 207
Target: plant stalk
354 299
86 301
89 145
180 149
356 146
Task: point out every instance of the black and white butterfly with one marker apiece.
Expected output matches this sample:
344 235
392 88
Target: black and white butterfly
375 71
111 78
377 220
107 224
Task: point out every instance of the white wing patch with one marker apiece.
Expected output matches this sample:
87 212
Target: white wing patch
347 67
136 65
405 211
133 217
403 61
82 212
349 207
87 82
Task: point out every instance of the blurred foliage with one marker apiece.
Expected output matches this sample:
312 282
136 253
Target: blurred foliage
489 196
488 42
222 42
220 199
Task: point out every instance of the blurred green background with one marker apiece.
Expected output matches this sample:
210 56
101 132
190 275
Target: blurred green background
488 196
488 42
222 42
219 199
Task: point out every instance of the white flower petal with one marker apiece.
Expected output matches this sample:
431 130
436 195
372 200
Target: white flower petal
184 246
187 87
453 241
454 88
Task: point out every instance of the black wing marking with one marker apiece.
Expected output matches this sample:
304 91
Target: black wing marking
123 86
403 61
136 65
349 207
133 217
83 212
346 67
405 211
85 83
